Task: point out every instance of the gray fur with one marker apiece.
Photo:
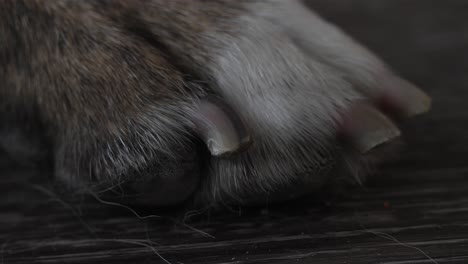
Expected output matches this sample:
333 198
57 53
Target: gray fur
114 85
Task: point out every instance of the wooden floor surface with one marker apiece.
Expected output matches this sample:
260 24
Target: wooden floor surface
415 211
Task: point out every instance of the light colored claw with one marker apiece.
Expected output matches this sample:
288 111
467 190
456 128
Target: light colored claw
409 99
367 128
222 130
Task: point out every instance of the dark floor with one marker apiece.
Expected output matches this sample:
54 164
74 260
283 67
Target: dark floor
415 212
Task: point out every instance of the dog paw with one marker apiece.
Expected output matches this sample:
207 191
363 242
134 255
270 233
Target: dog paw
206 101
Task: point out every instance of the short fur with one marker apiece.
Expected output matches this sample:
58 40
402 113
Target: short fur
111 86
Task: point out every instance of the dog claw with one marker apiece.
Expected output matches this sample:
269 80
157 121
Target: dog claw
367 128
222 130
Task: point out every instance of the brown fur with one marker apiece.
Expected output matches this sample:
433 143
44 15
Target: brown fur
107 89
